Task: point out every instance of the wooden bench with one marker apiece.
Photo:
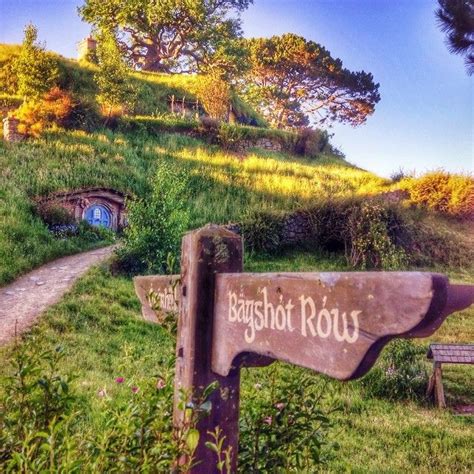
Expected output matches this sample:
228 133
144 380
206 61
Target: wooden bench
446 354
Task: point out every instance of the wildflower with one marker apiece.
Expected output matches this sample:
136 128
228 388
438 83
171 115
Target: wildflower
280 406
135 389
160 384
258 386
268 420
102 392
119 380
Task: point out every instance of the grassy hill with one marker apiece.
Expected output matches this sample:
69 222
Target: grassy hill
93 421
154 89
224 188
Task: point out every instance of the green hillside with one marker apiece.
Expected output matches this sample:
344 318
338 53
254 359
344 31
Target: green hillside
154 89
224 188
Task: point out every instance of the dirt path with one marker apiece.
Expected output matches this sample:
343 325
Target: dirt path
23 301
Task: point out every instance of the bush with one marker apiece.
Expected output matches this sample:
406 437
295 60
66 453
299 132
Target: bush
84 115
36 116
229 136
8 76
262 231
117 93
371 232
156 224
53 214
36 70
214 95
368 232
209 128
443 192
400 373
311 142
283 427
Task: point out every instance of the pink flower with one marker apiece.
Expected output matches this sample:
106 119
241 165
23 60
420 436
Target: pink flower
280 406
119 380
102 392
160 384
135 389
268 420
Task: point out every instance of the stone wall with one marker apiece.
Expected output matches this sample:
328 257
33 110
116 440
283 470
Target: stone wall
295 228
270 144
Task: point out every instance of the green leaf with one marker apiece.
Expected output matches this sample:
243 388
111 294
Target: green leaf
192 439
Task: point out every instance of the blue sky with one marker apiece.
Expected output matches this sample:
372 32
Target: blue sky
425 118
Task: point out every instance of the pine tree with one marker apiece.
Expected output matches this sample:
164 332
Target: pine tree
36 70
456 19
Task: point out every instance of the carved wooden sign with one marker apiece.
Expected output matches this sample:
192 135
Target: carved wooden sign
334 323
158 294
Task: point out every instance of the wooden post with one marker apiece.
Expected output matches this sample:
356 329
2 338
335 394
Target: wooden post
438 386
206 252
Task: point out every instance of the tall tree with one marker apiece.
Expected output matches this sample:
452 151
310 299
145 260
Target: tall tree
293 81
456 19
112 76
172 35
36 70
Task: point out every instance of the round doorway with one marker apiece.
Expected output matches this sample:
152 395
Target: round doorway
98 215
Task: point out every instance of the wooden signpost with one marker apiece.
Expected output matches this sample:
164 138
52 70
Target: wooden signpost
333 323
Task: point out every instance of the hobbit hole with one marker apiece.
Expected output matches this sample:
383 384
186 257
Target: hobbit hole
100 207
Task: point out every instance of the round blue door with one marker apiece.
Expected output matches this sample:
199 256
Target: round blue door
98 215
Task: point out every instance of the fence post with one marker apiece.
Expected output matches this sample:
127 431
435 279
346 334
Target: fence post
205 252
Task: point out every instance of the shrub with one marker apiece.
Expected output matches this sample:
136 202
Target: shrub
8 76
262 231
36 70
283 427
84 115
9 101
368 232
36 116
229 136
371 229
36 399
116 91
399 374
310 142
214 94
443 192
53 214
156 224
209 128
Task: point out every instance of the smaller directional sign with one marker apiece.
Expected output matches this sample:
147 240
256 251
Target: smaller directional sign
158 294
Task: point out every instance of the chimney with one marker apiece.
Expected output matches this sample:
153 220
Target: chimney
86 49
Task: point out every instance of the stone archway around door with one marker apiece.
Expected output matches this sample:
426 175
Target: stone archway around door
99 206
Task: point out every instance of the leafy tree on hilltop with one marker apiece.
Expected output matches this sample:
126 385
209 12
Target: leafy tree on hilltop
172 35
36 70
292 80
456 18
115 89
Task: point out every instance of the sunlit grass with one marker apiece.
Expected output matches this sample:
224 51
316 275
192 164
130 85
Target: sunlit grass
223 187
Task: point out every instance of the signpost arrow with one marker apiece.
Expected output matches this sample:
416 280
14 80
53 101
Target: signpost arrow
333 323
158 294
